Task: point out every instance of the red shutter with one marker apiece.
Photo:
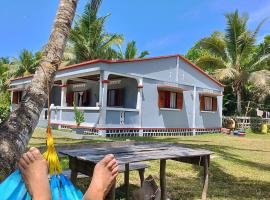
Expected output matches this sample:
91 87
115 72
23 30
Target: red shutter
70 98
214 103
167 99
179 100
15 97
161 99
202 103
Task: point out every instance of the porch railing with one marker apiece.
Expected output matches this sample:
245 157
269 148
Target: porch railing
66 116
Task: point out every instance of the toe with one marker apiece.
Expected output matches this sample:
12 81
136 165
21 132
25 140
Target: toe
111 164
30 156
36 153
22 164
107 159
115 170
26 158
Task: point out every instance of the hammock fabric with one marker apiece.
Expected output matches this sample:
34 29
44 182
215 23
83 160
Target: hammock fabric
14 188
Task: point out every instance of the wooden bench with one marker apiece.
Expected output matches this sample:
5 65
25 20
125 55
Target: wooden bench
138 166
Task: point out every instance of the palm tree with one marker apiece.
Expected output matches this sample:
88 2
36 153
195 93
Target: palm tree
17 130
88 39
131 51
26 63
232 55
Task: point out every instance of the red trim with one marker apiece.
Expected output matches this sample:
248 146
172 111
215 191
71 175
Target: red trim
105 81
154 129
140 86
133 60
64 85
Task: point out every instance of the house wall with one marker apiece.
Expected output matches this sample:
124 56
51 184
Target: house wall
161 69
188 75
152 116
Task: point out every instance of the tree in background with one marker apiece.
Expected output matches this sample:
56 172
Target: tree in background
233 58
131 51
88 39
26 63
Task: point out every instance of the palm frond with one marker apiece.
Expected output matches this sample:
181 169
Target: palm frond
215 45
227 73
207 61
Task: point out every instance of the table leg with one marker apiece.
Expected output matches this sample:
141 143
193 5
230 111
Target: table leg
111 194
163 179
206 177
73 168
141 174
127 180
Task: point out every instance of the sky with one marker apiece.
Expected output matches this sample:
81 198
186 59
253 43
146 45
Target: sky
163 27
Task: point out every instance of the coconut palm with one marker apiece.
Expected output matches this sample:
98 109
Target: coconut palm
26 63
17 130
131 51
232 55
88 39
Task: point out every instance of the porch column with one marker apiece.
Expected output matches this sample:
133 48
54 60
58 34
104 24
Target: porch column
11 100
139 103
103 101
63 93
194 111
63 98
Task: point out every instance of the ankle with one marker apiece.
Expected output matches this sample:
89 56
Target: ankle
93 194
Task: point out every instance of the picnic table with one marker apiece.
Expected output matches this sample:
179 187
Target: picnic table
82 159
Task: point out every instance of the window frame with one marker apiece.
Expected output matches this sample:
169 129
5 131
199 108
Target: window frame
166 98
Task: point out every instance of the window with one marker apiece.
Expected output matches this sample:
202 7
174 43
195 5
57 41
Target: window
169 99
208 103
115 97
17 97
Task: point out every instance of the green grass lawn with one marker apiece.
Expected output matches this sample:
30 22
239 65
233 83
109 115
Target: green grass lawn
239 169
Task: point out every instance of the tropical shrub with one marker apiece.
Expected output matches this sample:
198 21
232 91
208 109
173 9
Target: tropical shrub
79 115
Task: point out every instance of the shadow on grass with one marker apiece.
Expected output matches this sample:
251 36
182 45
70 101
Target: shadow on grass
222 185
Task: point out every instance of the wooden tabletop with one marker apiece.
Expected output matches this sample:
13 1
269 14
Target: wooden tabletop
128 152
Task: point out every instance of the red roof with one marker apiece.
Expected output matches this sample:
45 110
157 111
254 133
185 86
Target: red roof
132 60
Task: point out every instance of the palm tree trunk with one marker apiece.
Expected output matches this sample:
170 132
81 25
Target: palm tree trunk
17 130
239 99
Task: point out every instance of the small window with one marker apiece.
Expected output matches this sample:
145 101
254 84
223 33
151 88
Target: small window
17 97
169 99
115 97
208 103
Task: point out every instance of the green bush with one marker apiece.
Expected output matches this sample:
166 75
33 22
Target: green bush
79 115
4 105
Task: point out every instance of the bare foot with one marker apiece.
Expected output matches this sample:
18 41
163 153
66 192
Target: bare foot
34 170
104 177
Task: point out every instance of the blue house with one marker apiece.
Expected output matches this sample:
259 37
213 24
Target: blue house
157 96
